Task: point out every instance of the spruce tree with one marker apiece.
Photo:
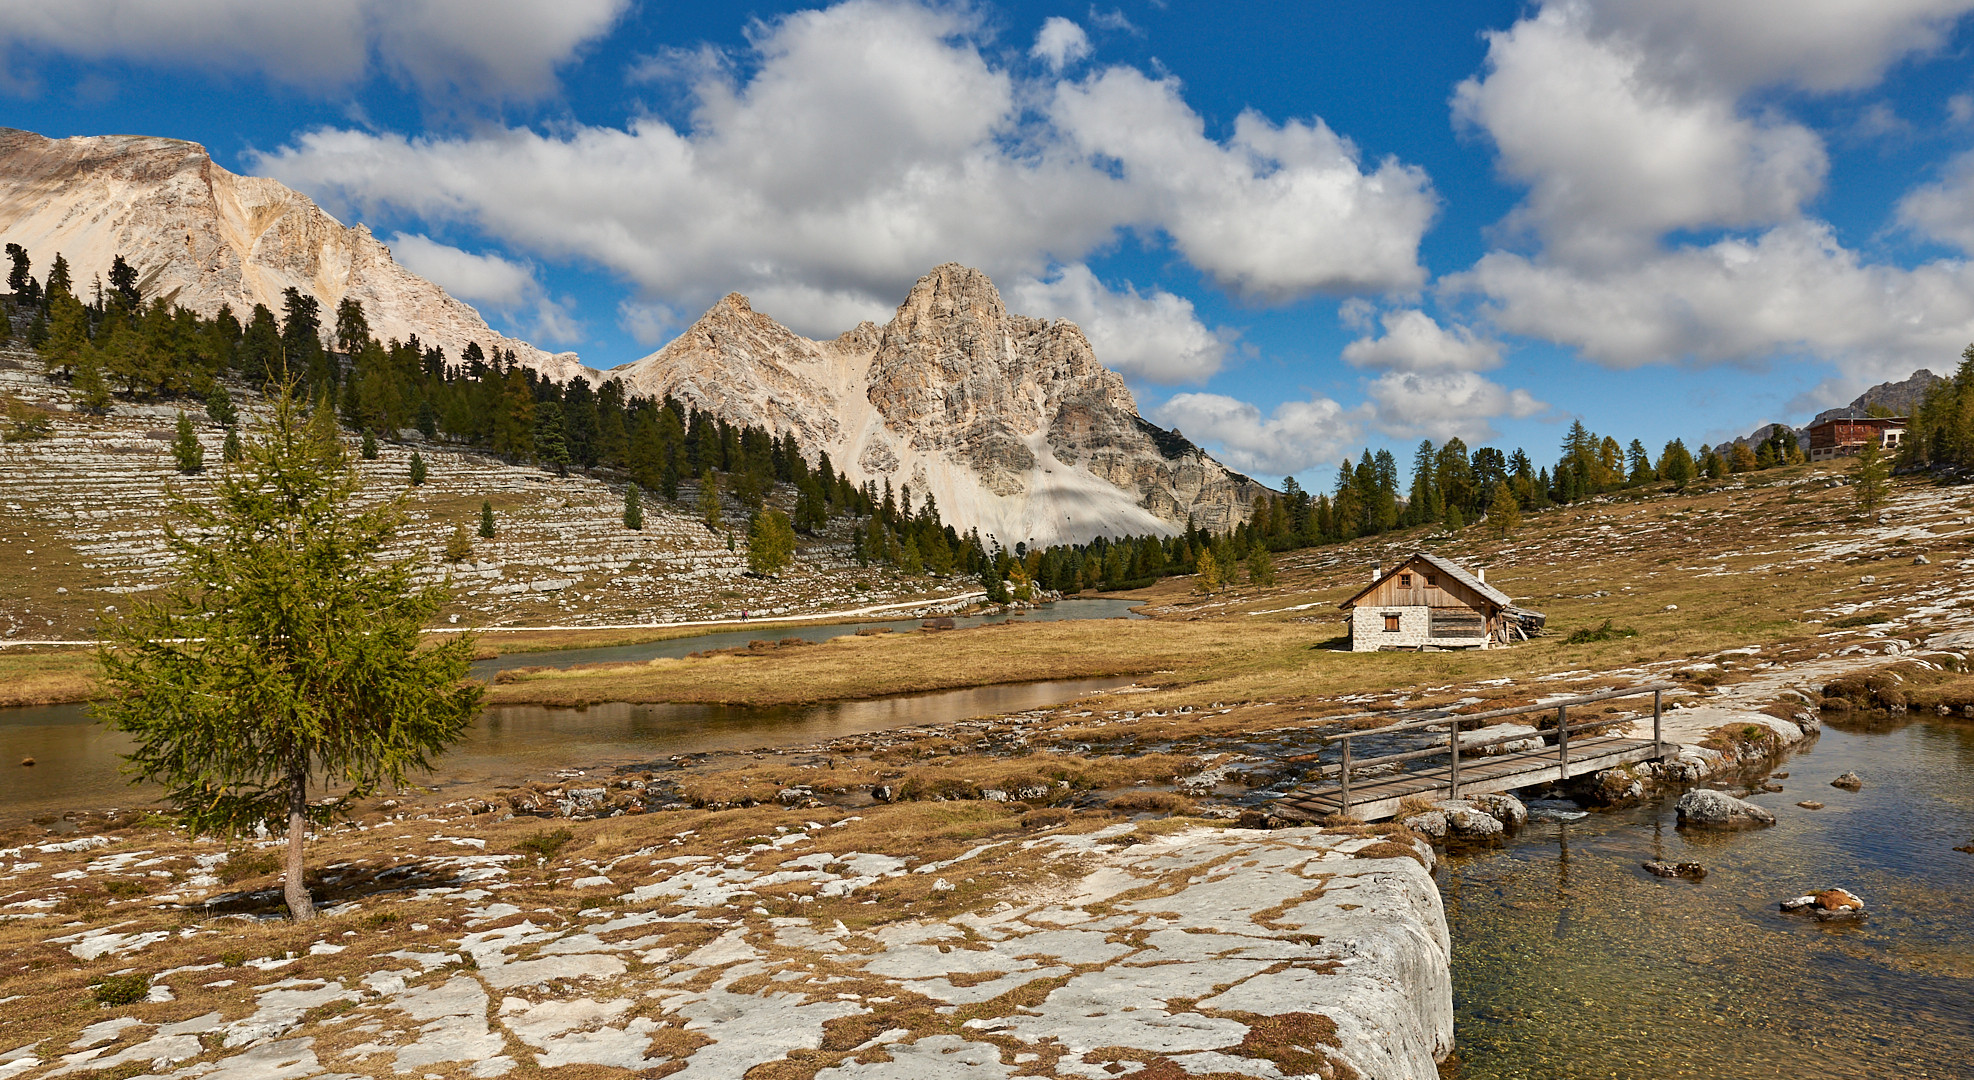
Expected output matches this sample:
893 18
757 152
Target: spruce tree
286 652
231 451
633 512
486 519
6 323
369 449
219 407
417 469
185 449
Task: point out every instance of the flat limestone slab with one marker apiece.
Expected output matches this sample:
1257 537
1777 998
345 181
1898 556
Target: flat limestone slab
1205 950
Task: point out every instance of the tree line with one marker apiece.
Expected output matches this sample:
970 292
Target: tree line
121 344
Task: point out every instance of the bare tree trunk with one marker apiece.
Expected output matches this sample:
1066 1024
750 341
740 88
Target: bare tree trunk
300 907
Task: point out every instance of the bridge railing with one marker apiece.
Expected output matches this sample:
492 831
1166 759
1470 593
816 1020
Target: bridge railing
1347 765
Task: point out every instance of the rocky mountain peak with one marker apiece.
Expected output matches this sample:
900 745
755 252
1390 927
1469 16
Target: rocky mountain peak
1011 422
202 236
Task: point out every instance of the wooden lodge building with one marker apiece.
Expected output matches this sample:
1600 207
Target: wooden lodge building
1426 602
1844 436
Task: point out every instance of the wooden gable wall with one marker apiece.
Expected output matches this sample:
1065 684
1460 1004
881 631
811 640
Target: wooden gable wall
1449 593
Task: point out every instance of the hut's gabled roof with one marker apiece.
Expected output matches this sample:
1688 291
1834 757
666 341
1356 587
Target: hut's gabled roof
1450 569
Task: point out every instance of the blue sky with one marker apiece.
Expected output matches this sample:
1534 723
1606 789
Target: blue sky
1298 229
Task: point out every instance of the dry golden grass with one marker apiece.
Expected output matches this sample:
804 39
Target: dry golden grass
46 676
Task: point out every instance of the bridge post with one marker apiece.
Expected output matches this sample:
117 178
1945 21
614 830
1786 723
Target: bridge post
1343 776
1658 736
1454 740
1563 739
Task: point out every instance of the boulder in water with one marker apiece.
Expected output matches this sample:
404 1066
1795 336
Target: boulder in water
1828 905
1706 808
1850 781
1691 871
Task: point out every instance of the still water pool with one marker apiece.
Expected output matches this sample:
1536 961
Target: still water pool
1571 962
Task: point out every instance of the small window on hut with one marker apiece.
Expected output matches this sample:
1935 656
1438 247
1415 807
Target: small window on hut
1391 624
1404 581
1432 580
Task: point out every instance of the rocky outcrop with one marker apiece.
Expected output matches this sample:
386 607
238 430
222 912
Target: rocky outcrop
1706 808
202 236
1011 423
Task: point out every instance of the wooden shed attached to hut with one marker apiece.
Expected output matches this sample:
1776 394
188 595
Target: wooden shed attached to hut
1426 602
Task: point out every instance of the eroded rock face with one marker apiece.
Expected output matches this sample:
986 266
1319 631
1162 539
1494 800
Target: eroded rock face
202 236
1011 423
1708 809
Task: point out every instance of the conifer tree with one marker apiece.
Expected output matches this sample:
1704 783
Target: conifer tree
909 560
219 407
770 542
633 512
417 469
1260 566
6 323
709 501
486 519
459 546
286 653
1206 574
231 451
1504 515
369 447
185 449
1869 477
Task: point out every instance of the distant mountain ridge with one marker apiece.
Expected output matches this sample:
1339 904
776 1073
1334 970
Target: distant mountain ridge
1009 422
202 236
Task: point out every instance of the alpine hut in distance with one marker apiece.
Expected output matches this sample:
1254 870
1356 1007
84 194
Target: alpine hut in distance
1426 602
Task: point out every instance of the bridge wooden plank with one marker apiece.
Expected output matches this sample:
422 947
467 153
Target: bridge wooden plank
1377 797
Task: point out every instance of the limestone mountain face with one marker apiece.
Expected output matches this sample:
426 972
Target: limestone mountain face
1009 422
202 236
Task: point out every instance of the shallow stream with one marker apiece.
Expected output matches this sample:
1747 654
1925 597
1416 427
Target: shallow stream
1572 962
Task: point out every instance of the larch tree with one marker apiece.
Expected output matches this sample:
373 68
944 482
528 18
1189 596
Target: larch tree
285 653
1869 477
770 543
1504 515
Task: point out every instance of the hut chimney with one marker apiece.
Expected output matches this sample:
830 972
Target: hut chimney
1480 575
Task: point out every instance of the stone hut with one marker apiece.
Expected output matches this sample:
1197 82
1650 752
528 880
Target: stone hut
1426 602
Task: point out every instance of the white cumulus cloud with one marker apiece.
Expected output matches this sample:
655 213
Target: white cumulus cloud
1152 335
1414 341
490 281
852 148
1634 121
1613 157
1060 43
1439 405
1944 210
481 48
1294 437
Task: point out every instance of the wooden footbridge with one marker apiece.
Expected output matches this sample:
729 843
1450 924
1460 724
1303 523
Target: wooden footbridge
1370 789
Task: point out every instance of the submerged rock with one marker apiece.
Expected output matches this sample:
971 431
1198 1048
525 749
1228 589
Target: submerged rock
1691 871
1810 804
1828 905
1706 808
1850 781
